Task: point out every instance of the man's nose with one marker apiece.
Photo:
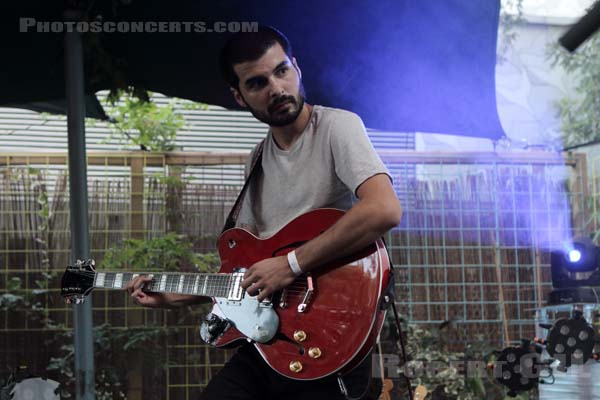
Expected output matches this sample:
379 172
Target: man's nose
275 89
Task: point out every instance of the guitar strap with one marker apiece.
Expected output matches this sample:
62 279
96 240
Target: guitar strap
255 169
389 299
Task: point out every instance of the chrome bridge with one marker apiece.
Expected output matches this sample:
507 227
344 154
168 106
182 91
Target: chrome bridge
308 294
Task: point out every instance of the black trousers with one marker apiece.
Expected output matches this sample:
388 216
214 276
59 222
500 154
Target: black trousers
247 377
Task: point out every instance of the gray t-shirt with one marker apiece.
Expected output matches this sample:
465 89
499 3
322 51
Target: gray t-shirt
322 169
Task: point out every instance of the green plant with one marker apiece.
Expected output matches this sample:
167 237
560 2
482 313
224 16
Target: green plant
17 299
580 115
173 186
137 120
38 186
143 123
28 301
171 182
447 374
113 348
511 16
170 252
428 348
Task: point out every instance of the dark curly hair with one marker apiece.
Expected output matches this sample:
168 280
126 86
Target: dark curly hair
249 46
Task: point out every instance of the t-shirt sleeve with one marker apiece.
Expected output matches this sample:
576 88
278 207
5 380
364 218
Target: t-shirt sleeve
354 157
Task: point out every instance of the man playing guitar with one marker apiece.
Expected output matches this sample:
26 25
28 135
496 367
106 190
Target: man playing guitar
313 157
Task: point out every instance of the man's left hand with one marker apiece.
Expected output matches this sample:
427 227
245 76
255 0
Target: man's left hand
268 276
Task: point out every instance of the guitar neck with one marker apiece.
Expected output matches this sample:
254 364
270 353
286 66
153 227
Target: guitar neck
197 284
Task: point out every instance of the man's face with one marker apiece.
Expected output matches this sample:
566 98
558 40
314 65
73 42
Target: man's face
270 87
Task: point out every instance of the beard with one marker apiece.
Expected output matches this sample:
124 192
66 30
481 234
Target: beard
284 116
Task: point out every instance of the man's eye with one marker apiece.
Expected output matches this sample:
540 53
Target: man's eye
255 84
281 71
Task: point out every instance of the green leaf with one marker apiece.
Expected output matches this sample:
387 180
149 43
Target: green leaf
13 284
139 121
580 115
10 301
477 386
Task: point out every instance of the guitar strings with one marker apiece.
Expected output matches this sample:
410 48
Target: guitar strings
294 288
222 287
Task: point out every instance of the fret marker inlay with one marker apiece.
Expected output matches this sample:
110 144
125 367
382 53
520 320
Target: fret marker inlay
118 280
195 289
180 285
100 277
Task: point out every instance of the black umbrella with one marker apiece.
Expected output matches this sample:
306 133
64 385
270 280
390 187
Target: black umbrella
412 65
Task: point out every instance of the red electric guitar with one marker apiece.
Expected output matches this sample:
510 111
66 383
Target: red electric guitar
324 323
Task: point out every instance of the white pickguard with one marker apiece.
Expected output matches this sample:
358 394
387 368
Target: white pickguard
257 321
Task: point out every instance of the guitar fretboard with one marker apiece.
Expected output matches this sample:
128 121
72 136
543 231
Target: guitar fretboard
212 285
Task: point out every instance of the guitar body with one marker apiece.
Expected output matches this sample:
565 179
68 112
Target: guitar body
340 320
324 323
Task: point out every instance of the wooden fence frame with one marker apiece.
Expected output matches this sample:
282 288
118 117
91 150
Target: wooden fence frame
138 160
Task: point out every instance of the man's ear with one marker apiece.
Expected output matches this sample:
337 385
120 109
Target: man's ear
238 97
295 64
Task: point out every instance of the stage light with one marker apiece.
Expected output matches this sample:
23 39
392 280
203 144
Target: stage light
581 257
518 368
574 256
575 273
571 341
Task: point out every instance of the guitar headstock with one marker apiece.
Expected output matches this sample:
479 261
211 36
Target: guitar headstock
78 281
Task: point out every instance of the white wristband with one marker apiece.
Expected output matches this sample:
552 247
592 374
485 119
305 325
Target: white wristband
293 261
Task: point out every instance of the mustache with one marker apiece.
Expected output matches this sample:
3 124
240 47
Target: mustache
279 100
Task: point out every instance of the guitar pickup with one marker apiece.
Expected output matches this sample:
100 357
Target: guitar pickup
307 296
283 299
236 292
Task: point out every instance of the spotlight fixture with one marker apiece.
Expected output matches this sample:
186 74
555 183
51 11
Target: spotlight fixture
575 273
574 256
571 341
518 368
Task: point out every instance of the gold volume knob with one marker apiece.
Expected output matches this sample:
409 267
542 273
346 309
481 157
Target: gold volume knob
314 352
299 336
296 366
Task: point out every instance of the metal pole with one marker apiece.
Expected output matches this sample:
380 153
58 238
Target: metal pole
80 241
